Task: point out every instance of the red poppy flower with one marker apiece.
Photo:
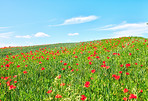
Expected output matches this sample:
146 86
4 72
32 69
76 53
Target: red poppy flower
132 96
127 73
63 68
24 72
97 57
49 91
107 67
42 68
135 63
69 67
18 66
72 70
76 56
15 81
58 96
87 84
125 90
90 63
15 76
83 97
59 76
120 72
93 70
7 65
130 53
77 64
65 64
121 65
6 78
141 91
117 77
124 98
113 75
128 65
107 57
62 84
12 87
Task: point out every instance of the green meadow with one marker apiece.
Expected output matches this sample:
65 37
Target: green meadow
100 70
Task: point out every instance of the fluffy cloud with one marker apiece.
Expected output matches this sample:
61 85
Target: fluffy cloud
73 34
78 20
26 36
127 29
5 35
41 34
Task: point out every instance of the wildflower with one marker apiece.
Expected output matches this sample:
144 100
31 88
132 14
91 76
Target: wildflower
49 91
18 66
93 70
113 75
15 81
124 98
59 76
76 56
130 54
117 77
90 63
128 65
107 67
120 72
97 57
24 72
121 65
132 96
125 90
15 76
83 97
63 68
62 84
58 96
127 73
12 87
72 70
65 64
42 68
141 91
87 84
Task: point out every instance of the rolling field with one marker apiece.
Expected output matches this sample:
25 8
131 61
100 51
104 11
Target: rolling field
100 70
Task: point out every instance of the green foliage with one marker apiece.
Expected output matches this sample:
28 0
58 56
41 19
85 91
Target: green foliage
45 70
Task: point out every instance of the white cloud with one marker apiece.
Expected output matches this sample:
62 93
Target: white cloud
73 34
5 35
25 36
3 28
78 20
41 34
128 29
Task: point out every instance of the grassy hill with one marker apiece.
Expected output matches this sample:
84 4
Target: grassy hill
101 70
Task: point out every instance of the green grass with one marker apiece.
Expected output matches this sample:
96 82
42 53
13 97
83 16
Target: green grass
103 87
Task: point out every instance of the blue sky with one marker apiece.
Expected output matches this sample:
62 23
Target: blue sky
35 22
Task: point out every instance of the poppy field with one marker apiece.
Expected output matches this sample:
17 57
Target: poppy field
101 70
